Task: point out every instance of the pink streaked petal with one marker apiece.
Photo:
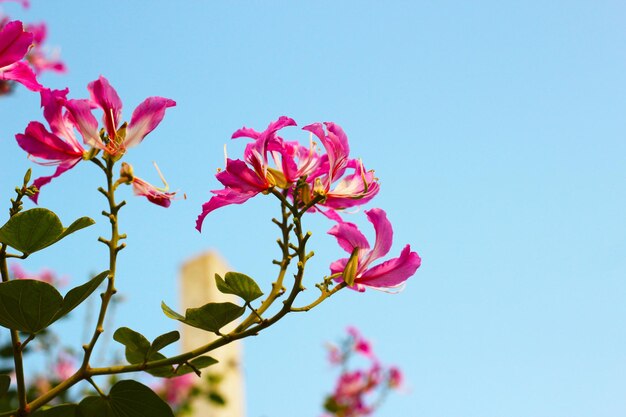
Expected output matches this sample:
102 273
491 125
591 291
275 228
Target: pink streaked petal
14 43
342 201
106 97
220 199
41 181
384 234
145 118
338 266
85 121
153 194
349 236
245 132
53 102
40 143
22 73
240 177
392 273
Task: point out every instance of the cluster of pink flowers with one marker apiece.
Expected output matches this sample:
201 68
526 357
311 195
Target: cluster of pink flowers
60 146
359 391
45 275
23 55
327 182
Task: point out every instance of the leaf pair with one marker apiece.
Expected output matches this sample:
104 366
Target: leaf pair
213 316
36 229
126 398
30 306
140 350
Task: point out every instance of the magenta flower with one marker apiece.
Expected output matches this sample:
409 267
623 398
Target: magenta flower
145 118
244 180
37 57
387 275
58 146
158 196
45 275
14 44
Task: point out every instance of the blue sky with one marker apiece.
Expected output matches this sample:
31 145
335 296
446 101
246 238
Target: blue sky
496 129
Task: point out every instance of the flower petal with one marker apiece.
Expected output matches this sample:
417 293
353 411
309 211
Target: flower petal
40 143
153 194
384 234
241 178
349 236
145 118
14 43
220 199
107 99
85 121
392 273
23 74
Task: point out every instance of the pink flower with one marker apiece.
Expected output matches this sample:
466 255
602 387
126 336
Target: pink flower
244 180
389 274
360 344
145 118
341 190
395 377
64 367
14 44
45 275
58 146
158 196
176 390
37 57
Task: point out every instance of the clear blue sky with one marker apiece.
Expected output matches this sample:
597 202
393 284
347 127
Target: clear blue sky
496 128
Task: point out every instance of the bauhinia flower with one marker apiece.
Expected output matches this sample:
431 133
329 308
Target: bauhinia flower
356 270
58 146
244 180
14 44
158 196
39 60
118 137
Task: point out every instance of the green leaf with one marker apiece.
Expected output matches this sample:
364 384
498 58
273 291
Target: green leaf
238 284
93 406
77 295
126 399
213 316
38 228
217 398
137 345
171 313
28 305
5 382
198 363
63 410
164 340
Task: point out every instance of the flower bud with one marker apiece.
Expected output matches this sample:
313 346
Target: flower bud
126 173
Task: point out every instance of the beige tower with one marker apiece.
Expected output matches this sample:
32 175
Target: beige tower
198 288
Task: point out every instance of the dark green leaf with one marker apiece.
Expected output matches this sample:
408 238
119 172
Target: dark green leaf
132 399
216 398
28 305
63 410
164 340
137 345
213 316
240 285
95 407
198 363
35 229
77 295
5 382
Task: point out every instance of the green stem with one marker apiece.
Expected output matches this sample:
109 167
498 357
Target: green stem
16 345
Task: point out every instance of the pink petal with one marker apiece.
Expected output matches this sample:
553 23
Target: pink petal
153 194
349 236
145 118
393 272
240 177
384 234
85 121
14 43
106 97
22 73
53 102
220 199
336 145
40 143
